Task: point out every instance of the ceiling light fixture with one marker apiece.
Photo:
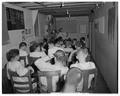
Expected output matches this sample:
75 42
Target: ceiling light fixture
69 17
62 4
67 11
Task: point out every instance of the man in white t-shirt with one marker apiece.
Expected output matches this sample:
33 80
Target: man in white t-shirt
83 65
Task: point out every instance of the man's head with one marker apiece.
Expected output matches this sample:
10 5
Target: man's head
51 43
13 55
60 56
77 45
74 41
82 54
83 42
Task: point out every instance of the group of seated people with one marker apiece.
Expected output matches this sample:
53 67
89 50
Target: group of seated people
52 55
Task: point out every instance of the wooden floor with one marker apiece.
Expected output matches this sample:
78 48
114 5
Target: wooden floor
101 86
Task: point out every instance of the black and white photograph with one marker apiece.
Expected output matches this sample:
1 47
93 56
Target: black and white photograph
59 47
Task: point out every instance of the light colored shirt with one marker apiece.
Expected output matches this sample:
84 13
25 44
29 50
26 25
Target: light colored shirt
51 51
19 68
43 65
85 66
38 54
24 53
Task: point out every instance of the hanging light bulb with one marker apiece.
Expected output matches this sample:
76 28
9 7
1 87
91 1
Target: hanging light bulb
97 4
62 3
69 17
67 12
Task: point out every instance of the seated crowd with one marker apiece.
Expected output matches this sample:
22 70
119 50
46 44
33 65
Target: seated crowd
52 55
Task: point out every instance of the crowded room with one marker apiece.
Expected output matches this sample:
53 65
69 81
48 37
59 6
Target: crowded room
59 47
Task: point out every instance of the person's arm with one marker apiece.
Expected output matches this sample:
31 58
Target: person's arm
68 49
50 53
21 70
44 64
70 57
43 54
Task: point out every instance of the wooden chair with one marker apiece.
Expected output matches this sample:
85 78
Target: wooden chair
21 86
6 84
86 74
48 75
24 59
31 60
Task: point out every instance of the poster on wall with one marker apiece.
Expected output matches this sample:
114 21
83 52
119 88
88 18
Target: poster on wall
111 23
96 25
100 24
15 19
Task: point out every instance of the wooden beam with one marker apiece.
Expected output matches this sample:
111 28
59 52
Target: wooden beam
65 7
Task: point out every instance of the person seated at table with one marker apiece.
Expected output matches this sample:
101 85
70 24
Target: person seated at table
62 34
45 45
62 44
68 46
58 42
16 66
72 58
83 65
23 51
53 47
83 42
43 64
74 43
36 50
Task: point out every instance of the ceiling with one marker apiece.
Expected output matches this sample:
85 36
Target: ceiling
60 9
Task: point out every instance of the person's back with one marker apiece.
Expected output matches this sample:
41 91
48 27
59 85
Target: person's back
43 64
16 66
83 65
36 51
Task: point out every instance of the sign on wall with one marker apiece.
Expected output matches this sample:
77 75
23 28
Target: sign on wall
15 19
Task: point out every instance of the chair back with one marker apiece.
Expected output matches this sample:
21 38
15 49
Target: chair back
24 59
48 75
86 74
21 84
